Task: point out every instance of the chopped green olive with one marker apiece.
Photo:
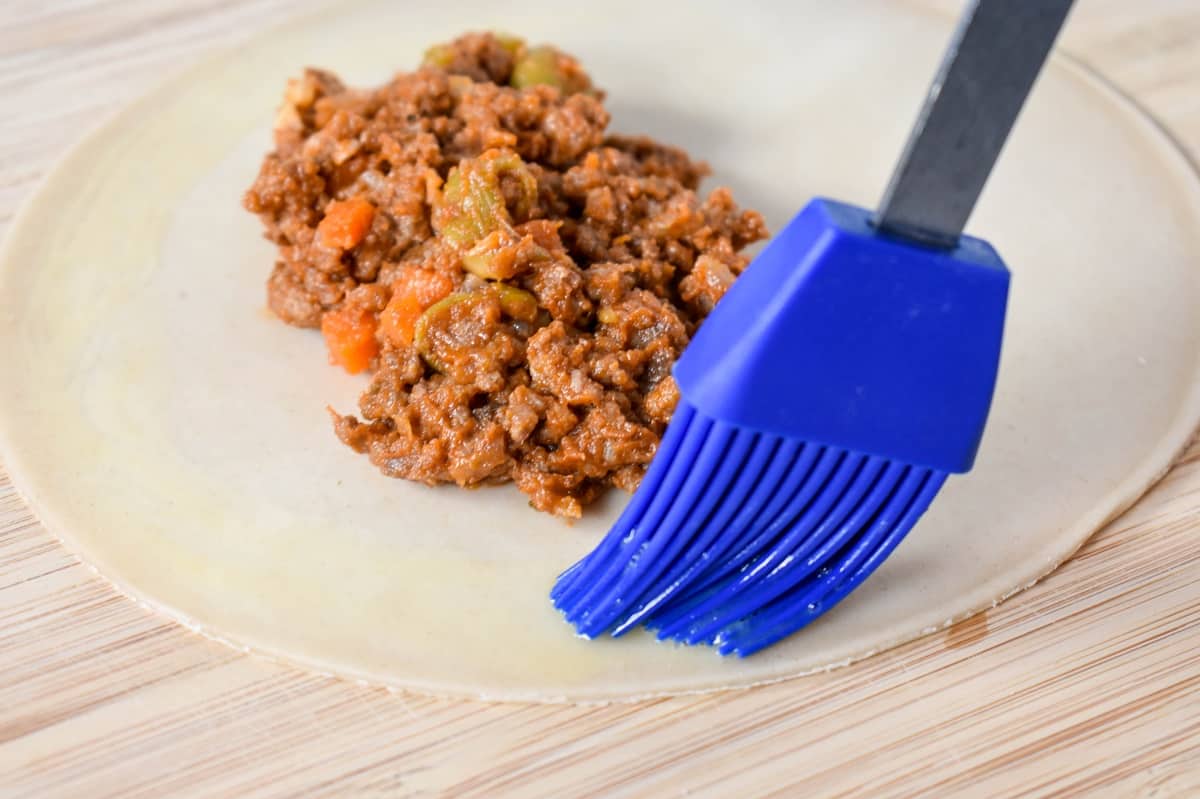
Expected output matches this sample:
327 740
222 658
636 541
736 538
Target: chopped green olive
438 312
538 66
440 55
483 264
493 257
472 204
501 254
513 44
517 303
514 302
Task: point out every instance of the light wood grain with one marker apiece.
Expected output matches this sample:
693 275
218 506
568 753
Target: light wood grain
1087 683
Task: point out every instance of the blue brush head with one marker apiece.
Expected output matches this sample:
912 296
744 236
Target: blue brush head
824 402
837 334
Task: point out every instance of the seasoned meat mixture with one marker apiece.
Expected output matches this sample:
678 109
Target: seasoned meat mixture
517 280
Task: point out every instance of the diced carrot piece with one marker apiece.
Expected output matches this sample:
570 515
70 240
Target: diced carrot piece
346 223
399 319
350 336
412 293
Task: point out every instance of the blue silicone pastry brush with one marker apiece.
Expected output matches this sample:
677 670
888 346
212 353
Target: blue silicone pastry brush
832 390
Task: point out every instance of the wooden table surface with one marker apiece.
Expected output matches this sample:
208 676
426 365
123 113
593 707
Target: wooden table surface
1089 683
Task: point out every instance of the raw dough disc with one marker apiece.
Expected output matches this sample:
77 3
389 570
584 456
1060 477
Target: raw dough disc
161 422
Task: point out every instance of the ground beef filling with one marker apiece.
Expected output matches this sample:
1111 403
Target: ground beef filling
517 281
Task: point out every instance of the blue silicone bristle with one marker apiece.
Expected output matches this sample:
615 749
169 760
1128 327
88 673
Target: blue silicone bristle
705 547
582 576
797 528
823 404
645 534
799 605
741 592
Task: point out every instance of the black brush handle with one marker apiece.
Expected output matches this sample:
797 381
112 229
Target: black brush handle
994 57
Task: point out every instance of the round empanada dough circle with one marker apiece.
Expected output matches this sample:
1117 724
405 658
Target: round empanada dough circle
165 426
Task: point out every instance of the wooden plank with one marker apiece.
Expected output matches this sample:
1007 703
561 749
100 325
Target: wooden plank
1089 682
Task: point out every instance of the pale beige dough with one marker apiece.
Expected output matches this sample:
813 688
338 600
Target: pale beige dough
164 425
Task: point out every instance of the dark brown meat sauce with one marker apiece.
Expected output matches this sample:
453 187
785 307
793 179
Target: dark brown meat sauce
518 281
